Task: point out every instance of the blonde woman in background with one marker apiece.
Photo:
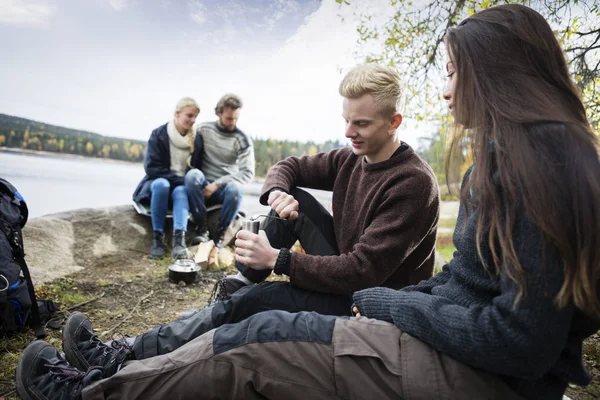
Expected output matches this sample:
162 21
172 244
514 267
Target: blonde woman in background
168 166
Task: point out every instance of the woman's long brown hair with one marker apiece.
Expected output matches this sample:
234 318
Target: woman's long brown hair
534 150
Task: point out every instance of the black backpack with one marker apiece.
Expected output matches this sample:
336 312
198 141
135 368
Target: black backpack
18 304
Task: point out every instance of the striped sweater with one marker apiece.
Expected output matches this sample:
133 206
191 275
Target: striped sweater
227 156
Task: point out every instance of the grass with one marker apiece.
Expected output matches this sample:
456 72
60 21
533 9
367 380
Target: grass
444 245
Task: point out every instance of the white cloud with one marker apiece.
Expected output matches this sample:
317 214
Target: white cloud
287 6
119 4
198 11
22 12
281 8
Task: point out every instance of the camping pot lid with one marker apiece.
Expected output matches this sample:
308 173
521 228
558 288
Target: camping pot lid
184 266
184 270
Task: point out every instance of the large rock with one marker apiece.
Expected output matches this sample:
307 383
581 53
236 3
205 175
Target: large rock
62 243
59 244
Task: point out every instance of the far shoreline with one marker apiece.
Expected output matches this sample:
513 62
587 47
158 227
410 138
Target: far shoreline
52 154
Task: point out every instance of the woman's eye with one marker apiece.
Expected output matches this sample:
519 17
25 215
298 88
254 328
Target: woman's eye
450 74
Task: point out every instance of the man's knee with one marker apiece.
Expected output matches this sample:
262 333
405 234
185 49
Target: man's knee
195 177
304 198
233 191
160 185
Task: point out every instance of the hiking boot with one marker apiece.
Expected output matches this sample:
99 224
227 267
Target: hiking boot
219 237
224 288
83 349
42 374
202 235
157 250
179 251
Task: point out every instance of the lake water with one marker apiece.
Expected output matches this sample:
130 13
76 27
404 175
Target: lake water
52 184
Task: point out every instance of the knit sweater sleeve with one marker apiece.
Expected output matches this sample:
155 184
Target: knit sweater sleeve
427 286
245 162
316 172
522 340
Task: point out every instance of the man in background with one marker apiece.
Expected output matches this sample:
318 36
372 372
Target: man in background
226 158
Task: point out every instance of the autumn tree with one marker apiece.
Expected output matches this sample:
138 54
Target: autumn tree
412 37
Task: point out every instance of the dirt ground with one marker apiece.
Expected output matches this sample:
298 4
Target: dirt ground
123 295
129 294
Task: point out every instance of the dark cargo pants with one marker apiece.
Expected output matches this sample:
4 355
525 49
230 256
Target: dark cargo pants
314 229
278 355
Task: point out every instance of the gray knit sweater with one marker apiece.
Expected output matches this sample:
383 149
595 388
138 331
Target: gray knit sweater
469 315
228 156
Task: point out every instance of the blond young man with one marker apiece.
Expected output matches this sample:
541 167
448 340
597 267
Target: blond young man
382 233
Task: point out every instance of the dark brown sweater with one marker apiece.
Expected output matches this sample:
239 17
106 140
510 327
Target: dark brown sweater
384 214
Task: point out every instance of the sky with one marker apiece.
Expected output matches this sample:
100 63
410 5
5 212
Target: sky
118 67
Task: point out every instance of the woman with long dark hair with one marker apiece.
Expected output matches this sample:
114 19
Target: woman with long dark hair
505 319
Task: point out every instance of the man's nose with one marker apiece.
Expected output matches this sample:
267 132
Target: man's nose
350 133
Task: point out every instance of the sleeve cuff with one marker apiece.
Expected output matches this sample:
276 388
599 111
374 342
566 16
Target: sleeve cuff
284 260
265 196
376 303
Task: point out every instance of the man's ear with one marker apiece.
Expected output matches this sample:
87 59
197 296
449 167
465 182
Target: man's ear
395 123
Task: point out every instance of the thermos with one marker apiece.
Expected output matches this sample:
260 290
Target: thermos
251 225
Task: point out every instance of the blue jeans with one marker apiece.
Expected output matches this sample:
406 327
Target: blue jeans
229 195
159 204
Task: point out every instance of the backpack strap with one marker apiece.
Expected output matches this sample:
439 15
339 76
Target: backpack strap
19 254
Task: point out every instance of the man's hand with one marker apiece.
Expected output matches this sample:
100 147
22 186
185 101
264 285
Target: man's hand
355 311
255 251
285 205
209 190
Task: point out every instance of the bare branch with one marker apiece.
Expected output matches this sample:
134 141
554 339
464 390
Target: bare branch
596 31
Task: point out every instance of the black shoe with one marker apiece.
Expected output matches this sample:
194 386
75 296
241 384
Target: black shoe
219 237
202 235
83 349
224 288
43 374
157 250
179 251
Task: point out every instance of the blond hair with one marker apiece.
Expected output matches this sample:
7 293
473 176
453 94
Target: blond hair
383 83
229 100
185 102
190 136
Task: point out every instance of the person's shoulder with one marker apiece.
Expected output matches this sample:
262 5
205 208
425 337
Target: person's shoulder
208 126
160 131
413 173
245 140
417 165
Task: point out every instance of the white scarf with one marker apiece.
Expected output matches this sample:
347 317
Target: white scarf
181 148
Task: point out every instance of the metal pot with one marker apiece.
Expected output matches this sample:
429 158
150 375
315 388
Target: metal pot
184 270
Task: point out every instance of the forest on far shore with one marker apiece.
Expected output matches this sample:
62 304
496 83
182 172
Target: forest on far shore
22 133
